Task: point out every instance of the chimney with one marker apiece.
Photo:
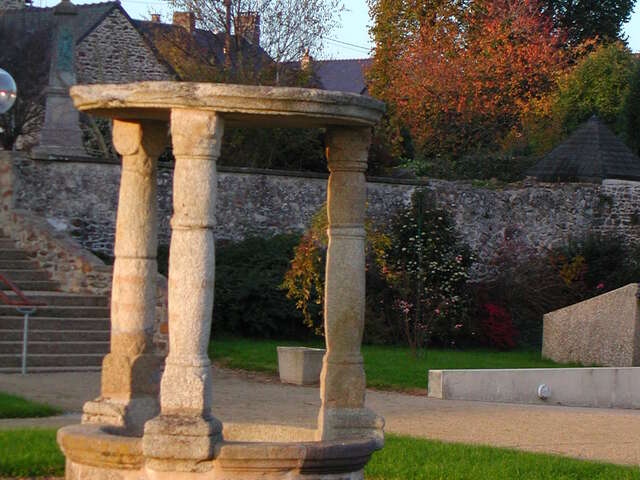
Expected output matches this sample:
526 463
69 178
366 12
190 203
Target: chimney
186 20
248 26
155 18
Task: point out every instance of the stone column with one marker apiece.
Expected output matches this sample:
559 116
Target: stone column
185 432
342 382
131 371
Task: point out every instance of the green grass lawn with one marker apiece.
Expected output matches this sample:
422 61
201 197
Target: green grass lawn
391 368
416 459
30 453
26 453
16 407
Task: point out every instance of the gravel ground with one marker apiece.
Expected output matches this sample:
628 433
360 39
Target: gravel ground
587 433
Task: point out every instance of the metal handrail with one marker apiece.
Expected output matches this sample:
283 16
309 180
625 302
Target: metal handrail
24 306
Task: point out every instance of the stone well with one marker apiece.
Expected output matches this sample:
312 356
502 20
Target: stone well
150 422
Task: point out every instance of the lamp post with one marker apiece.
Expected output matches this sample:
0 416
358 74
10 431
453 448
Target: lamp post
8 91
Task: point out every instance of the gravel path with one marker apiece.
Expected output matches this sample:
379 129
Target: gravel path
588 433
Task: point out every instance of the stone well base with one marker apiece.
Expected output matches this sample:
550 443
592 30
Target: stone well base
266 452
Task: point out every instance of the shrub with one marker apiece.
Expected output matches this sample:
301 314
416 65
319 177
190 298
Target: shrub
415 275
248 300
304 281
528 286
498 328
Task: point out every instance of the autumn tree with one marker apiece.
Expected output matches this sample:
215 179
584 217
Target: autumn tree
464 73
287 26
583 20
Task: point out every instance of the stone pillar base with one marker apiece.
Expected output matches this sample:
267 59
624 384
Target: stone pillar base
130 414
180 442
350 423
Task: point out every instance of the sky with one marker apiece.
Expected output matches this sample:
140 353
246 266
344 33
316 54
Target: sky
351 40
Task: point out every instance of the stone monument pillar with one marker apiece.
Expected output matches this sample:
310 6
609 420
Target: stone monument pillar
61 137
131 371
185 432
6 182
342 382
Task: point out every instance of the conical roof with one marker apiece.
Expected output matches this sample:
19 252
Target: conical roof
591 154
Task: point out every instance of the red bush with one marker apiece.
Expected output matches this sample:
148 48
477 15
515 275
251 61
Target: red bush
498 328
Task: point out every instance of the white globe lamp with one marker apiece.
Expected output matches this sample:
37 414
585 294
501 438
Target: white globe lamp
8 91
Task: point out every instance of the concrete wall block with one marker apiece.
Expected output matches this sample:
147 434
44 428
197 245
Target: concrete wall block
300 365
578 387
604 331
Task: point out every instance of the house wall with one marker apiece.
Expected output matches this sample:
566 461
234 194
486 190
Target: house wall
114 52
81 198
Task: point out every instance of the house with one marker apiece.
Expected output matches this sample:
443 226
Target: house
593 153
111 47
105 45
101 43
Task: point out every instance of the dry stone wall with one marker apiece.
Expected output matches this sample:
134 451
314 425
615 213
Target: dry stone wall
81 199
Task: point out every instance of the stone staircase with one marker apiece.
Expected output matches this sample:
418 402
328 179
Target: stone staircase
70 333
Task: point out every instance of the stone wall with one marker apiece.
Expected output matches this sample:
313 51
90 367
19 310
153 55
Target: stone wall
535 216
114 52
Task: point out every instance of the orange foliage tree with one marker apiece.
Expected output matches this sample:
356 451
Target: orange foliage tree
463 74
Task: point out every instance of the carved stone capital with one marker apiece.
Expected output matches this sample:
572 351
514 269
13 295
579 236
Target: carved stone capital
146 138
196 133
348 149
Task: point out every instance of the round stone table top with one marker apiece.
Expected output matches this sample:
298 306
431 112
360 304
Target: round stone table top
240 105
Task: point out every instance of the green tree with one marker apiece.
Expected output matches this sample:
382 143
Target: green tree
597 85
586 19
631 113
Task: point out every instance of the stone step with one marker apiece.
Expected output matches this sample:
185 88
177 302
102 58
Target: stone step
13 254
60 312
18 264
58 348
56 335
65 299
51 360
34 286
7 243
50 323
26 275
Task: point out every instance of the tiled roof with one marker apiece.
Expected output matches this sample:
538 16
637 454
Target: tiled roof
31 18
339 75
201 45
591 154
342 75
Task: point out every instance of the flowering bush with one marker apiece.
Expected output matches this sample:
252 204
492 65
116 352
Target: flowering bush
427 267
